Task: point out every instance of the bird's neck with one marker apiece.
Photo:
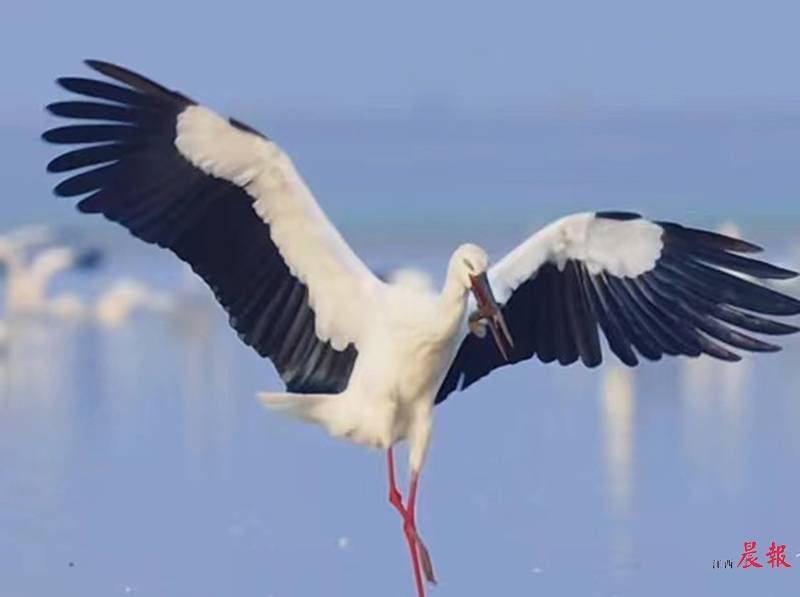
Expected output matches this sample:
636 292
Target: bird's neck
453 300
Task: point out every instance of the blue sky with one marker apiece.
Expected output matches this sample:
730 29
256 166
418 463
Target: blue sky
681 104
364 55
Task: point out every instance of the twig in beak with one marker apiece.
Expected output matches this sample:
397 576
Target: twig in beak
490 311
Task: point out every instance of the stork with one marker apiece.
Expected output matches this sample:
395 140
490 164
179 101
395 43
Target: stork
367 359
30 275
126 296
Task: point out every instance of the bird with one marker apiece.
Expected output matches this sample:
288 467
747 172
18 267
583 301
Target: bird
126 296
366 359
15 249
413 277
31 258
14 245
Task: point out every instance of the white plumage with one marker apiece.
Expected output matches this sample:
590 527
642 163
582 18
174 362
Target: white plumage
364 358
125 297
340 287
620 248
411 339
31 259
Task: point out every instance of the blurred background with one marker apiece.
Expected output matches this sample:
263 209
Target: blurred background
134 458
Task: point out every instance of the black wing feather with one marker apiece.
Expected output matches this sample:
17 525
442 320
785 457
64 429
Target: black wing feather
137 177
581 322
690 303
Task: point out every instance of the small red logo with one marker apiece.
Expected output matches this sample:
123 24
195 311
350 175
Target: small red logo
776 556
749 558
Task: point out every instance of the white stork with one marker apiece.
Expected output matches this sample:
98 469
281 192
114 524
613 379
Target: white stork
364 358
29 275
127 296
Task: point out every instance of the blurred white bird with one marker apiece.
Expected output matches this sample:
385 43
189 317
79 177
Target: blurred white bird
127 296
29 274
411 277
27 285
16 244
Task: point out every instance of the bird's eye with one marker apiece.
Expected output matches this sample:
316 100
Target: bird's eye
469 265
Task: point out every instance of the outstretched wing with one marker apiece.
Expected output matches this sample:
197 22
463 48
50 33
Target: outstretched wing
229 202
654 288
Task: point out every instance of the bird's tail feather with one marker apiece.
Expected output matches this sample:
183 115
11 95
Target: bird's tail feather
323 409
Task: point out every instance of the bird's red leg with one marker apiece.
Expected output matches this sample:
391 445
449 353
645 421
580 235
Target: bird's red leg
411 534
411 527
395 499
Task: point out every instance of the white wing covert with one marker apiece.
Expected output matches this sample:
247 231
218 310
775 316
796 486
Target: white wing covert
227 200
653 288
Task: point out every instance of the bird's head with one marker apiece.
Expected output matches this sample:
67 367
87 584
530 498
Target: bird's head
470 263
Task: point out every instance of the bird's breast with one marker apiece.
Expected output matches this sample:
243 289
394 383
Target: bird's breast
400 366
422 357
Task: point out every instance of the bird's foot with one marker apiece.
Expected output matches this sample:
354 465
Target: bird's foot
425 561
413 538
477 324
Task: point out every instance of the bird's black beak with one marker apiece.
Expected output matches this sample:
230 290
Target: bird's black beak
489 310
